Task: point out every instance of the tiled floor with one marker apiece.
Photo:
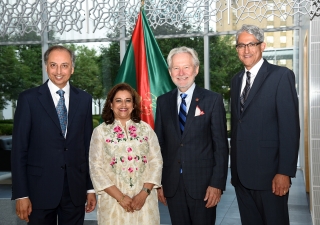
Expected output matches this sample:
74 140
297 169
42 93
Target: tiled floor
227 211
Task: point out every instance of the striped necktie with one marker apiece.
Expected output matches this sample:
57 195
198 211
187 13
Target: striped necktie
183 112
62 112
245 92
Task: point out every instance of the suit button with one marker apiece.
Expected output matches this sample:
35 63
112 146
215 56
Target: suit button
179 161
240 121
181 145
65 149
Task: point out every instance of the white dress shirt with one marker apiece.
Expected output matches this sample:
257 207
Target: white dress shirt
254 71
53 90
188 99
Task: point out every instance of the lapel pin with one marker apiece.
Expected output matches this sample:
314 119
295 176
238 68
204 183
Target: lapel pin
197 99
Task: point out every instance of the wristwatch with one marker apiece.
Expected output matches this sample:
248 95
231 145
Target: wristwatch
146 190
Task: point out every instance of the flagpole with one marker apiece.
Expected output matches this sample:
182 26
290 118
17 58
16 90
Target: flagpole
142 5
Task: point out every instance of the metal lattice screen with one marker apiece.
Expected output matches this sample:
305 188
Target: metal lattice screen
19 17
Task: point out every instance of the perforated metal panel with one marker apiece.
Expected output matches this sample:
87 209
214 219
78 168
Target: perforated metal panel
24 16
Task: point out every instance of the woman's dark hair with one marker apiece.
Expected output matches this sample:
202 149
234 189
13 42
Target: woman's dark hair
107 113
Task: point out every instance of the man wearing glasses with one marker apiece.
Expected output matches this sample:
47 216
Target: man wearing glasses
265 133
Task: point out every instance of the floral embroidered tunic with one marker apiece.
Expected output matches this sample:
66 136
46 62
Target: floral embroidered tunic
127 159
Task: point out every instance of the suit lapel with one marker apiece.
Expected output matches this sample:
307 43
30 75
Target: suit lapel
258 81
74 101
174 110
237 91
46 101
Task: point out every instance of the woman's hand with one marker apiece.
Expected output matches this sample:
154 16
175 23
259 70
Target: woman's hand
122 199
126 202
139 200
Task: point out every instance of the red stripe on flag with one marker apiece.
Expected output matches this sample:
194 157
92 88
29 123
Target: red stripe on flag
143 86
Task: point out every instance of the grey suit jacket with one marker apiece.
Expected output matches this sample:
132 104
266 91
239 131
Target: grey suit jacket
265 137
40 153
201 152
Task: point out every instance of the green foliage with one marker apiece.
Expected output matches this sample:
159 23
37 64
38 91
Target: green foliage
31 57
6 126
223 60
95 123
87 74
6 129
96 117
6 121
21 65
229 133
20 70
3 102
109 62
9 79
224 64
196 43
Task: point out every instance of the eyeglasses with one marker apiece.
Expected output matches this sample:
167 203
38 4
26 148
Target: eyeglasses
250 45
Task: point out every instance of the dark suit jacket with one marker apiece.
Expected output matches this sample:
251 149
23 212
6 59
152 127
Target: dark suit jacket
202 150
39 151
265 137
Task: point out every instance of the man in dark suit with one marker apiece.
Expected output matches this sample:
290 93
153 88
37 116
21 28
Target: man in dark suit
50 173
265 133
193 142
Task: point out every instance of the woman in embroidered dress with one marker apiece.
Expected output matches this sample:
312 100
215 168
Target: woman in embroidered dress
125 162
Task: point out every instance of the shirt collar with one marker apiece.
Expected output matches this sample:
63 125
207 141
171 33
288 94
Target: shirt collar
255 69
53 88
189 92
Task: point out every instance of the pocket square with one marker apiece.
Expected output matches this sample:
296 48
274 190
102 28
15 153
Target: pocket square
199 112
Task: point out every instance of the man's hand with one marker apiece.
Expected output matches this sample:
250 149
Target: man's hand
91 202
280 184
23 208
161 196
212 197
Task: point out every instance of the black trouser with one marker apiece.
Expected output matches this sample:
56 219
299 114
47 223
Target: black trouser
66 212
262 207
188 211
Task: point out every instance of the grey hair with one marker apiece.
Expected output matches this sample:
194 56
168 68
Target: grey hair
183 49
59 47
251 29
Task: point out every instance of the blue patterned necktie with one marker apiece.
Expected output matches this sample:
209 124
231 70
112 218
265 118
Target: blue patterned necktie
183 112
62 112
245 92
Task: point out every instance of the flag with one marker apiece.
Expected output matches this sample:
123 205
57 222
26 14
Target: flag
144 68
